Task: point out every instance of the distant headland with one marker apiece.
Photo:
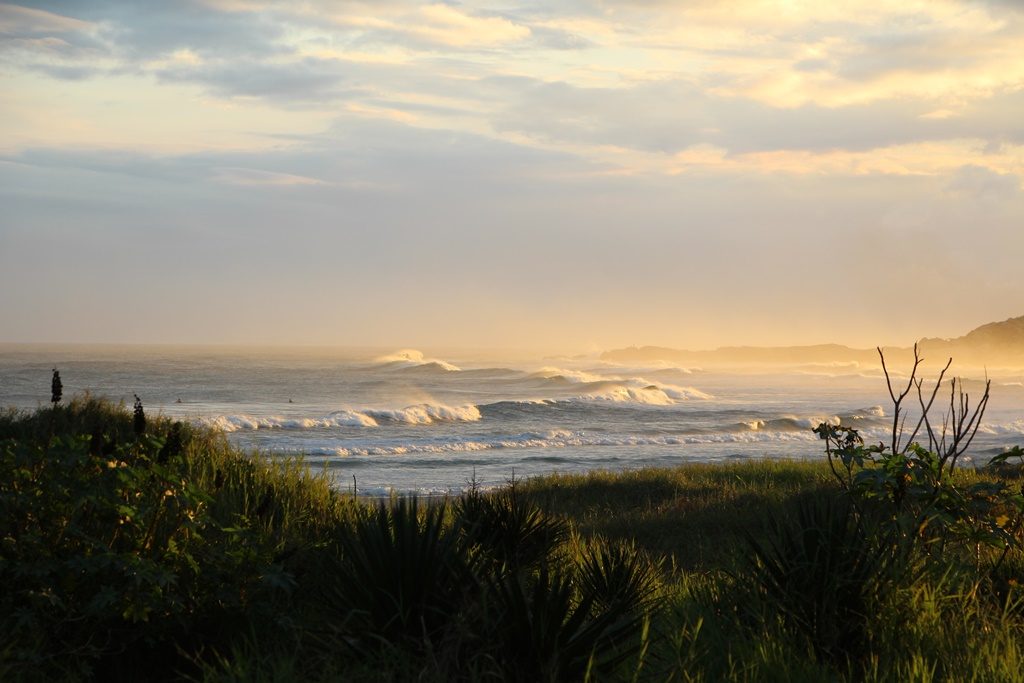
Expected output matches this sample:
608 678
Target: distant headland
997 344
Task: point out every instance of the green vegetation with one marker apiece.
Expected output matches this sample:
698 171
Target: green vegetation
123 552
133 547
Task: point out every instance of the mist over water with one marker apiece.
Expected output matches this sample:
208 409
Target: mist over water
405 421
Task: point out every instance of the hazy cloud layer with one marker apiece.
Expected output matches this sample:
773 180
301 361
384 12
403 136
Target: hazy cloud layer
601 171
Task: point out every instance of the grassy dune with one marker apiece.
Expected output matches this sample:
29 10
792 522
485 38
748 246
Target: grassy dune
695 516
163 553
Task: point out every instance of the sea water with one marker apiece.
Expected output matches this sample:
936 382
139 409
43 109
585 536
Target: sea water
404 421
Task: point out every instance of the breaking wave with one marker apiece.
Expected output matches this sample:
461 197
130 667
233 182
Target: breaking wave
619 389
413 359
568 376
421 414
1015 428
635 391
427 413
555 439
235 423
866 417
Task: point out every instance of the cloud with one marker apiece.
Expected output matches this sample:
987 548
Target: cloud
301 81
28 35
355 154
18 20
447 25
412 24
374 230
149 29
624 87
669 117
978 182
252 176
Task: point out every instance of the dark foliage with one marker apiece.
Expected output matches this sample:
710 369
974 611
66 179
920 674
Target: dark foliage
509 531
401 577
114 560
826 569
547 633
618 575
174 444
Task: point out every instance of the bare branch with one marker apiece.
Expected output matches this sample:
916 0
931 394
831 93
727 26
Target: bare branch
924 414
969 429
888 382
897 400
925 408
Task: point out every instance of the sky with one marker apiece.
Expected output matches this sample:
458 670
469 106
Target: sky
574 175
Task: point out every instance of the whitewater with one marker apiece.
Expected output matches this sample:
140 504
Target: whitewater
405 421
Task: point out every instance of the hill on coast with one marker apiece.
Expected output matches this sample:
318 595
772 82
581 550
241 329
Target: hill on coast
997 343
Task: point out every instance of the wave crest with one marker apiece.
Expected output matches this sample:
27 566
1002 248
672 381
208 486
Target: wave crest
412 358
620 389
793 423
428 413
556 439
421 414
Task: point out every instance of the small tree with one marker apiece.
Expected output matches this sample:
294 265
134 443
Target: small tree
56 388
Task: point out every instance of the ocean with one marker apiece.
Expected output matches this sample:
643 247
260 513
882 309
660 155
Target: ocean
404 421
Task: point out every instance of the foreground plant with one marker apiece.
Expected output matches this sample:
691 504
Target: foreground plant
510 532
912 478
402 576
827 569
118 555
546 632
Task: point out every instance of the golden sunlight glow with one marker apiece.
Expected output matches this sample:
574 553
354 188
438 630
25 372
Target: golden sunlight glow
606 173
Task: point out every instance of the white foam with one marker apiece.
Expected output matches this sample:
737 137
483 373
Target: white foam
412 358
341 418
575 376
791 423
630 389
649 395
679 393
428 413
655 364
1015 428
558 439
638 390
421 414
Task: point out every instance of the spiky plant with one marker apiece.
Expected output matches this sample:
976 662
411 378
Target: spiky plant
546 632
401 577
508 530
617 574
826 569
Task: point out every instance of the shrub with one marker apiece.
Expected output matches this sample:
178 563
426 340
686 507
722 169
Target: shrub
115 555
914 483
